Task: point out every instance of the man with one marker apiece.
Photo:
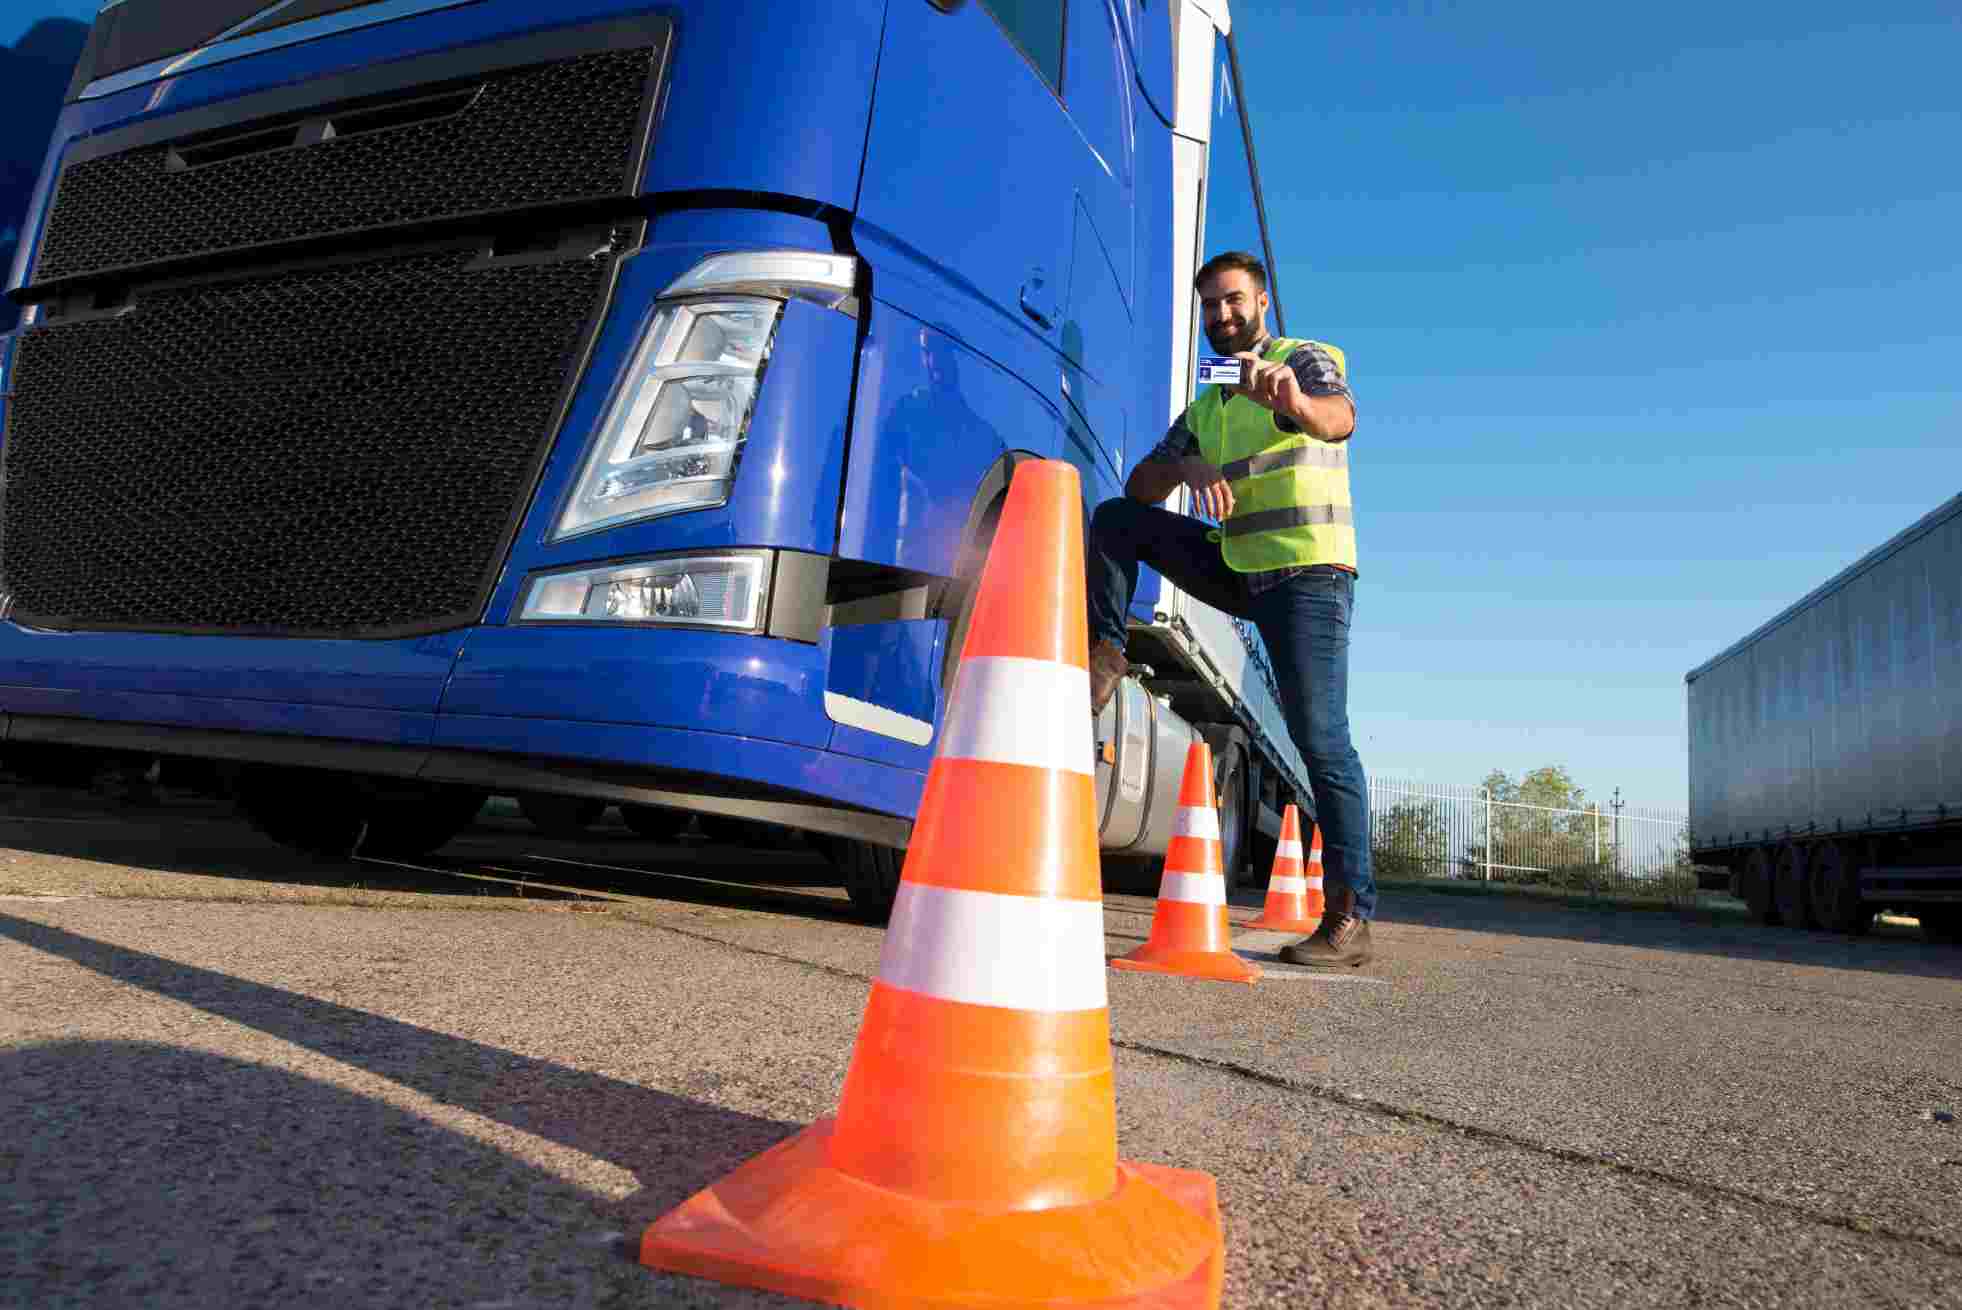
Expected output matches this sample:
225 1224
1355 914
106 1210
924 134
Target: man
1268 459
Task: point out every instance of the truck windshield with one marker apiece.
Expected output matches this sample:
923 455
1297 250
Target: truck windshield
131 33
1232 204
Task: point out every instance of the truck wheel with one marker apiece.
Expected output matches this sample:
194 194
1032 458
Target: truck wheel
404 827
721 830
50 765
338 816
1230 786
653 822
1941 923
871 874
561 816
1261 847
1754 886
1788 886
1836 904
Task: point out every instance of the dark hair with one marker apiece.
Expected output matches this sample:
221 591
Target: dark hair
1230 261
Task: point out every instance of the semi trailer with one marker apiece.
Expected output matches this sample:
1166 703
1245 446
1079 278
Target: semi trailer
604 402
1825 748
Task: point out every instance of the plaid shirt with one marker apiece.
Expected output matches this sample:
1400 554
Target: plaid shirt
1314 368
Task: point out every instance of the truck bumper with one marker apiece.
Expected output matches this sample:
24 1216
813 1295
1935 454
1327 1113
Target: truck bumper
610 712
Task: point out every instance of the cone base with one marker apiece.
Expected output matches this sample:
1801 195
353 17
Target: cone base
1278 924
787 1221
1220 966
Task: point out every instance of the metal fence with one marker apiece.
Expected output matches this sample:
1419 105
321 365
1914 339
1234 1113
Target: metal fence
1445 830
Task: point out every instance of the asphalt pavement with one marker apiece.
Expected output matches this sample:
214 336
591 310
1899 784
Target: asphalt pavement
231 1076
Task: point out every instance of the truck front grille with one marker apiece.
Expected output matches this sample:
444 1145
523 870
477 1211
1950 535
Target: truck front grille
553 133
337 450
301 355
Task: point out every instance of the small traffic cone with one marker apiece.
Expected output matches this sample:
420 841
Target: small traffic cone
973 1158
1294 897
1189 931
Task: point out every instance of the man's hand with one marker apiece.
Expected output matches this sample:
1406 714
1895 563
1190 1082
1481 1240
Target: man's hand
1270 386
1275 387
1210 491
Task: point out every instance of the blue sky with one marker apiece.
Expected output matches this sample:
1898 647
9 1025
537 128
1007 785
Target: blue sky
1650 312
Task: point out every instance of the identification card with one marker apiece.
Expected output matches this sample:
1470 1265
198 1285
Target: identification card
1221 369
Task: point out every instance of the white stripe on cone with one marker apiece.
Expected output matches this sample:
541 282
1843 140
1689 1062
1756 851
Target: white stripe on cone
1315 856
1315 882
1036 953
1196 821
1011 710
1283 883
1193 888
1287 850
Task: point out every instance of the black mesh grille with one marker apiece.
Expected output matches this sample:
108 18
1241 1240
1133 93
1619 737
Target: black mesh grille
336 450
550 133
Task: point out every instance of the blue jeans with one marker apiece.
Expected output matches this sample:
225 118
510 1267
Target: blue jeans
1304 621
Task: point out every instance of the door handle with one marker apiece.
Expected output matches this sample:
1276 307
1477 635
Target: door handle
1035 299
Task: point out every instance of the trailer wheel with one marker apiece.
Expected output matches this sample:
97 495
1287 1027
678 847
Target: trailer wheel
561 816
1754 885
1836 904
1789 889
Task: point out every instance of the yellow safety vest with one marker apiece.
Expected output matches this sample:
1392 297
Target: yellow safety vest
1290 492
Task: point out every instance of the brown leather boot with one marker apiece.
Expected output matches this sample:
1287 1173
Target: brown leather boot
1107 669
1341 940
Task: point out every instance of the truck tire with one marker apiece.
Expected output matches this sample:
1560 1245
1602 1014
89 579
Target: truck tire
1941 923
722 830
47 764
653 822
339 816
1835 879
1262 791
1230 786
1789 886
1754 885
406 827
871 874
561 816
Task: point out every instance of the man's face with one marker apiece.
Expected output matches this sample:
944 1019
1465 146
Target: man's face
1234 309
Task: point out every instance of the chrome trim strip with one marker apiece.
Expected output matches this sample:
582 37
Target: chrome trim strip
224 50
868 717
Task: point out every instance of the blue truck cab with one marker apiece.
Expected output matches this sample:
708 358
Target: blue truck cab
416 400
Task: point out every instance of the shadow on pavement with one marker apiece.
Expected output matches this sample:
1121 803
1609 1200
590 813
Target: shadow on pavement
500 856
1888 951
139 1173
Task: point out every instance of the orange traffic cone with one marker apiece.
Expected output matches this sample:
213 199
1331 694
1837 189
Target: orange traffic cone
973 1159
1294 898
1189 932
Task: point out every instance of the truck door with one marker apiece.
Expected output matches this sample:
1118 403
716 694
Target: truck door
998 230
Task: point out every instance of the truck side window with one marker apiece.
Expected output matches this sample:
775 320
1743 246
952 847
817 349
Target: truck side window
1232 222
1036 28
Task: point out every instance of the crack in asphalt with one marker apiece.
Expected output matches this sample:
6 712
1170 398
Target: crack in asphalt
1423 1118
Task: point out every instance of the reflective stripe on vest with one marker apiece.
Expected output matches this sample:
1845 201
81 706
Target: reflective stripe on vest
1291 501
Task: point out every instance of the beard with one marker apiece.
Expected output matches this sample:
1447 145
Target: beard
1229 341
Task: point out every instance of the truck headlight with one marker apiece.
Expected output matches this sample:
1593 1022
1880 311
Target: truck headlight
712 591
673 437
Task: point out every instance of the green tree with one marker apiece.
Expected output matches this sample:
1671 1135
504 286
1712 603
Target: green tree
1410 840
1543 830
